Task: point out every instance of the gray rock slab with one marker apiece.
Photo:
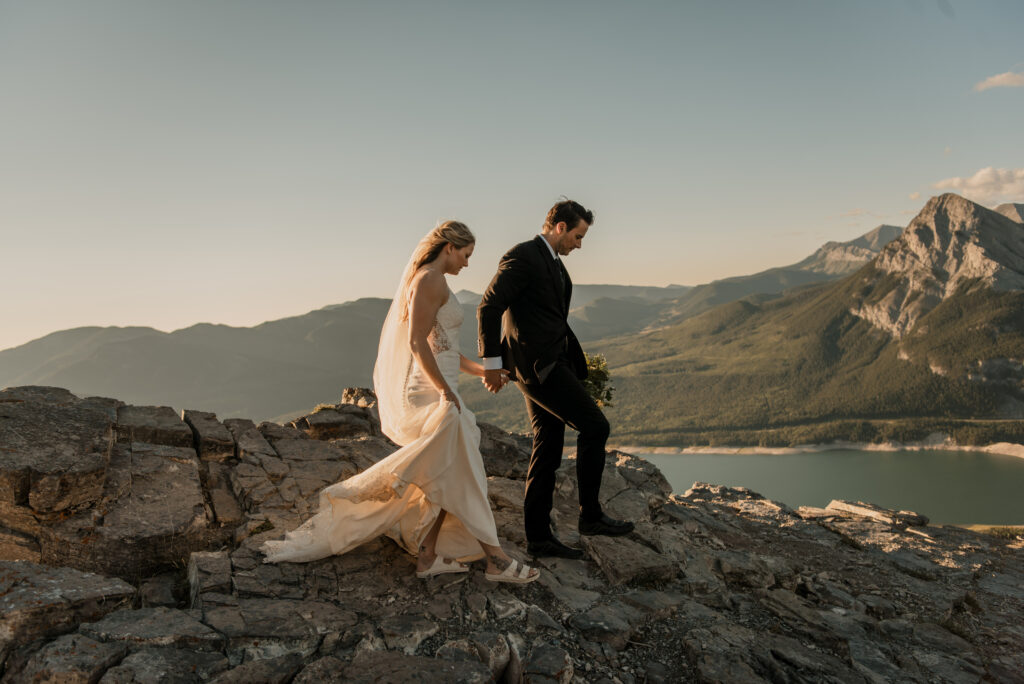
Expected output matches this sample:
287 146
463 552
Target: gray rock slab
938 638
212 440
913 564
878 606
406 632
155 627
517 654
274 432
869 661
606 624
307 450
248 438
153 425
152 527
71 658
325 670
669 540
624 561
867 510
165 666
226 510
538 619
1004 585
721 652
493 651
457 649
744 569
393 666
943 667
166 494
54 455
346 421
209 571
39 601
505 455
37 394
655 604
276 670
259 628
575 597
548 663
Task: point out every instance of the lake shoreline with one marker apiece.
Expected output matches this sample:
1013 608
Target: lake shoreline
1003 448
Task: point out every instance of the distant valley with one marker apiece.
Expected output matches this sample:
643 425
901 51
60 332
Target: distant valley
898 327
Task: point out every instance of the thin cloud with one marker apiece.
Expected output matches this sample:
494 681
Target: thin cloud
1010 79
989 185
854 212
914 195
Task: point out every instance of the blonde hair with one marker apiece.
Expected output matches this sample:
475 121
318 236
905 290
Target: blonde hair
451 233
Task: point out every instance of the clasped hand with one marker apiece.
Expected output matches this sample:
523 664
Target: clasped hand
495 379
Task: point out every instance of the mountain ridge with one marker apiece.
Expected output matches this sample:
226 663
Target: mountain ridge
805 368
772 344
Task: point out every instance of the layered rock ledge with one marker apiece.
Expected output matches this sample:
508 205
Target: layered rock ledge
129 553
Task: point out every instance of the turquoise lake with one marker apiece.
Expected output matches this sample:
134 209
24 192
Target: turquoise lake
950 487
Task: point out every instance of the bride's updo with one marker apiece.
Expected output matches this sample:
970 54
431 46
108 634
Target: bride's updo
452 233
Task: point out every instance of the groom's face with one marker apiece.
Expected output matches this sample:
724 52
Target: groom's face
568 240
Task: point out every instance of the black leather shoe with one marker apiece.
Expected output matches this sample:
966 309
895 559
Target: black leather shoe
552 547
606 526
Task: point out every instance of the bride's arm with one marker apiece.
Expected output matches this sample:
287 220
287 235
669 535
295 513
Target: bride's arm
428 294
467 365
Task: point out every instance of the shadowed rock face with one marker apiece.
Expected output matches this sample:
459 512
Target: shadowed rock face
717 584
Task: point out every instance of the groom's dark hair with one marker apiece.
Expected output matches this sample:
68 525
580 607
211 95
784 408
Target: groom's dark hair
570 212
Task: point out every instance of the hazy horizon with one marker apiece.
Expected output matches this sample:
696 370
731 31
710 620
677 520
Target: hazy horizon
166 164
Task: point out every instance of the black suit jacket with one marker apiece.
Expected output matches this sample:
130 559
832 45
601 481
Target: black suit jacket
523 316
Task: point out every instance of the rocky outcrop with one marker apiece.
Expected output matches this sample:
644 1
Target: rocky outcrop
1012 211
716 584
843 258
951 243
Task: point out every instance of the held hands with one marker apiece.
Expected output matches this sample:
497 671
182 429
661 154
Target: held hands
495 379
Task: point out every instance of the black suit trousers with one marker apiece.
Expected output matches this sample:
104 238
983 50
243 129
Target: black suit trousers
559 401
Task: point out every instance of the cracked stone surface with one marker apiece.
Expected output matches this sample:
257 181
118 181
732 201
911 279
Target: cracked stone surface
717 584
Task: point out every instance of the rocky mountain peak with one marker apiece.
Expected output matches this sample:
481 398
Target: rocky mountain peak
1013 211
841 258
951 242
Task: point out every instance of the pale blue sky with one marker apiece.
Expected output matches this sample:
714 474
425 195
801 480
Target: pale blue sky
166 163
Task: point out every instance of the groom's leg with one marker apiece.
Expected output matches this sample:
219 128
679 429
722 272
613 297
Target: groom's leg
563 396
548 440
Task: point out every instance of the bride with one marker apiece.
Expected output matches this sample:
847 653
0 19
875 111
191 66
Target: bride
430 496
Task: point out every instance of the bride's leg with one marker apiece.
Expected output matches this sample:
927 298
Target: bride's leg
498 560
427 551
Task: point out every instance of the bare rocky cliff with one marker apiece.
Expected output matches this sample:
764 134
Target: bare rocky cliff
843 258
129 544
950 244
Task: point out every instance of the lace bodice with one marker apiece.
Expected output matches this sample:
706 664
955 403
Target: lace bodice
444 336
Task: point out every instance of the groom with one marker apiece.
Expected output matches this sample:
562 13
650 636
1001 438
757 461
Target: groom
524 329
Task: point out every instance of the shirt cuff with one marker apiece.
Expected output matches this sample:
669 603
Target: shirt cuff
492 363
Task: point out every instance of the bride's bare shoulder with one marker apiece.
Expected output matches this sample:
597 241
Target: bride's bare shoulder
430 284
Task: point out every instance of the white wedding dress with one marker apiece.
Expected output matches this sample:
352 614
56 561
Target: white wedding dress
402 495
